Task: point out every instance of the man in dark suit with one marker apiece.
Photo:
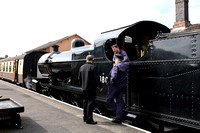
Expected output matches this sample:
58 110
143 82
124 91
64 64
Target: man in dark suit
90 82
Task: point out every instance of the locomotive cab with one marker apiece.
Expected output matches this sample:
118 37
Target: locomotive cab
134 39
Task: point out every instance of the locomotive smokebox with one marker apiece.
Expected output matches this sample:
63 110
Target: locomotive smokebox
55 48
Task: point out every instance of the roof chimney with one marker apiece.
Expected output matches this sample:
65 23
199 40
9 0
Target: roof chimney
182 16
55 48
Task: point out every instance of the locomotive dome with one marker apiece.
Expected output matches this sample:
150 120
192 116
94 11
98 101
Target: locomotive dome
77 43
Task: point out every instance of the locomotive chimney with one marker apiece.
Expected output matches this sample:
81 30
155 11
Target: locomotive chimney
182 16
55 48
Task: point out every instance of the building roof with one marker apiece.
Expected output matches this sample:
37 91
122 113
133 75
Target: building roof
193 27
49 44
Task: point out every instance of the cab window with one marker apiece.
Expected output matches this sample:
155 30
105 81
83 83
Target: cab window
133 48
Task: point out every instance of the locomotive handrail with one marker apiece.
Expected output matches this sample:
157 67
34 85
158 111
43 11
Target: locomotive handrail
139 62
177 75
177 34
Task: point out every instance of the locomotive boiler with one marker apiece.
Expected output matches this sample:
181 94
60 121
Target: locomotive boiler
163 78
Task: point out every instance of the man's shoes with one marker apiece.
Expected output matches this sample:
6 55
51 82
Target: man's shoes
91 122
84 120
117 120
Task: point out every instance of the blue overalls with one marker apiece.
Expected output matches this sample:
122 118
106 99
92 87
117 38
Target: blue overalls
117 83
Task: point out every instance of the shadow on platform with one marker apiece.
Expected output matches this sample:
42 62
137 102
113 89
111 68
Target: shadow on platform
29 126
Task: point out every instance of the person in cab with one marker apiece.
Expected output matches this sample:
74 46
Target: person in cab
117 50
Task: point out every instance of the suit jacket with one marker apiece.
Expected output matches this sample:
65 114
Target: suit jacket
89 78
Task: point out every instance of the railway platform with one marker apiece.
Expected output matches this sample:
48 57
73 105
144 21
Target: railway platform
44 114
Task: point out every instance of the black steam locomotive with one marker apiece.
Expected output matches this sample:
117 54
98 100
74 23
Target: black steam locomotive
163 77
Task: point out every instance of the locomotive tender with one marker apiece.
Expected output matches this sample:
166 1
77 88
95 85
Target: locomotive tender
163 78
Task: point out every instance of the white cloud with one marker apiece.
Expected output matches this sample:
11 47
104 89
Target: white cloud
194 10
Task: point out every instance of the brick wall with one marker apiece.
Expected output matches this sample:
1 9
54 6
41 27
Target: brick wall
182 15
65 45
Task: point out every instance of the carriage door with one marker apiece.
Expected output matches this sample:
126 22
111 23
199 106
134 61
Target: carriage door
15 70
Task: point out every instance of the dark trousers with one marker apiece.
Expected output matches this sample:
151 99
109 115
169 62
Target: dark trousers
116 93
88 105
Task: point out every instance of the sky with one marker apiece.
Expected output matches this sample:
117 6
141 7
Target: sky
27 24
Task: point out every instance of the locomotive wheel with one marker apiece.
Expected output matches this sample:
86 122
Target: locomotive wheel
59 95
75 103
61 98
76 100
97 110
100 110
55 94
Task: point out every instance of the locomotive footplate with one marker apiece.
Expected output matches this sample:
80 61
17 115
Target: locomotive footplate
9 112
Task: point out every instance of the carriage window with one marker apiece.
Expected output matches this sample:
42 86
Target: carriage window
3 67
6 66
9 66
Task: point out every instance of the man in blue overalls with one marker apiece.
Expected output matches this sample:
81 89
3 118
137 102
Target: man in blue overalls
117 83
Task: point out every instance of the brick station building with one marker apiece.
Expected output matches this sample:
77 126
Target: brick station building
63 43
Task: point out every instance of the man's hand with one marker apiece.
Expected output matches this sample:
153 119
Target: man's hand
101 89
